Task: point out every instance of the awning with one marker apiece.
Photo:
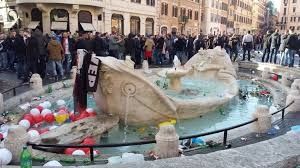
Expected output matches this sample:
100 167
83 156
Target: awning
87 27
8 25
59 25
33 24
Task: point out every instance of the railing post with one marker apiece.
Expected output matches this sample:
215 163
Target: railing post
14 91
225 138
282 114
1 103
92 154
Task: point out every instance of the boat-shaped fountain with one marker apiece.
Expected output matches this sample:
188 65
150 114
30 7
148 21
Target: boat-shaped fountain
136 98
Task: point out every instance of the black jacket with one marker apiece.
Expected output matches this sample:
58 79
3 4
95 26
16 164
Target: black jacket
180 44
292 42
32 51
99 46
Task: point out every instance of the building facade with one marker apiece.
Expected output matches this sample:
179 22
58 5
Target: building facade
179 16
242 15
117 16
215 16
259 13
289 15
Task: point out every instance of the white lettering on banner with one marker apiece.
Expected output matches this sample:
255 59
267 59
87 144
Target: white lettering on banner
92 72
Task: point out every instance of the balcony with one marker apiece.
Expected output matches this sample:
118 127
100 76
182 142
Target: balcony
98 3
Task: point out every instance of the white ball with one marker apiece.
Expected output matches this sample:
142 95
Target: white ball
53 127
89 110
34 135
52 163
5 156
78 153
24 123
96 153
45 112
47 104
35 112
60 103
43 105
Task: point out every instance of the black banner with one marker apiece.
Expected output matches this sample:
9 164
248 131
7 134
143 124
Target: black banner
91 67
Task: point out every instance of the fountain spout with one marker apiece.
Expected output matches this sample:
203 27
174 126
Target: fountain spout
175 76
176 62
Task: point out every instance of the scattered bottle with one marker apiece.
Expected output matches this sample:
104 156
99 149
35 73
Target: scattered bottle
25 160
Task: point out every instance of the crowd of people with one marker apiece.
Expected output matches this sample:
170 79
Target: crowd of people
53 55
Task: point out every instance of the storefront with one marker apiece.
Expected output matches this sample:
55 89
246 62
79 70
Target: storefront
117 24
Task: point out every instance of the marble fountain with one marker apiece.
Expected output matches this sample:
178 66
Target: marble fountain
136 99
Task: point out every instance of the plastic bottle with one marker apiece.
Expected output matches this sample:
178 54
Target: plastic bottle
26 160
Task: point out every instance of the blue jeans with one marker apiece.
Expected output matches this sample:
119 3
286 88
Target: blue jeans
283 60
290 57
67 63
11 56
56 68
274 52
3 60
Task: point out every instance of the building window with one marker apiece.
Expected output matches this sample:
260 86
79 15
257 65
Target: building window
175 11
117 24
84 17
136 1
59 19
212 3
196 17
182 12
36 15
149 26
294 1
164 30
135 25
284 11
150 2
100 17
164 9
190 14
294 9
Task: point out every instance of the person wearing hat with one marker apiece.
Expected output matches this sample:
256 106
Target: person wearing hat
55 57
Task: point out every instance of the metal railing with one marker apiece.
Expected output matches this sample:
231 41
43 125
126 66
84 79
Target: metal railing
14 89
91 147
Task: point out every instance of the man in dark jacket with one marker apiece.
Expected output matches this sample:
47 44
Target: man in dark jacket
267 46
31 60
42 43
130 46
275 43
292 46
180 47
99 45
20 54
11 50
233 43
190 47
67 44
3 53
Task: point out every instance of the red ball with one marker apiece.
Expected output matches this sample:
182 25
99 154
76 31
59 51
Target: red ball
69 151
43 130
88 141
40 108
49 118
92 114
82 116
38 119
1 136
72 117
30 118
275 77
